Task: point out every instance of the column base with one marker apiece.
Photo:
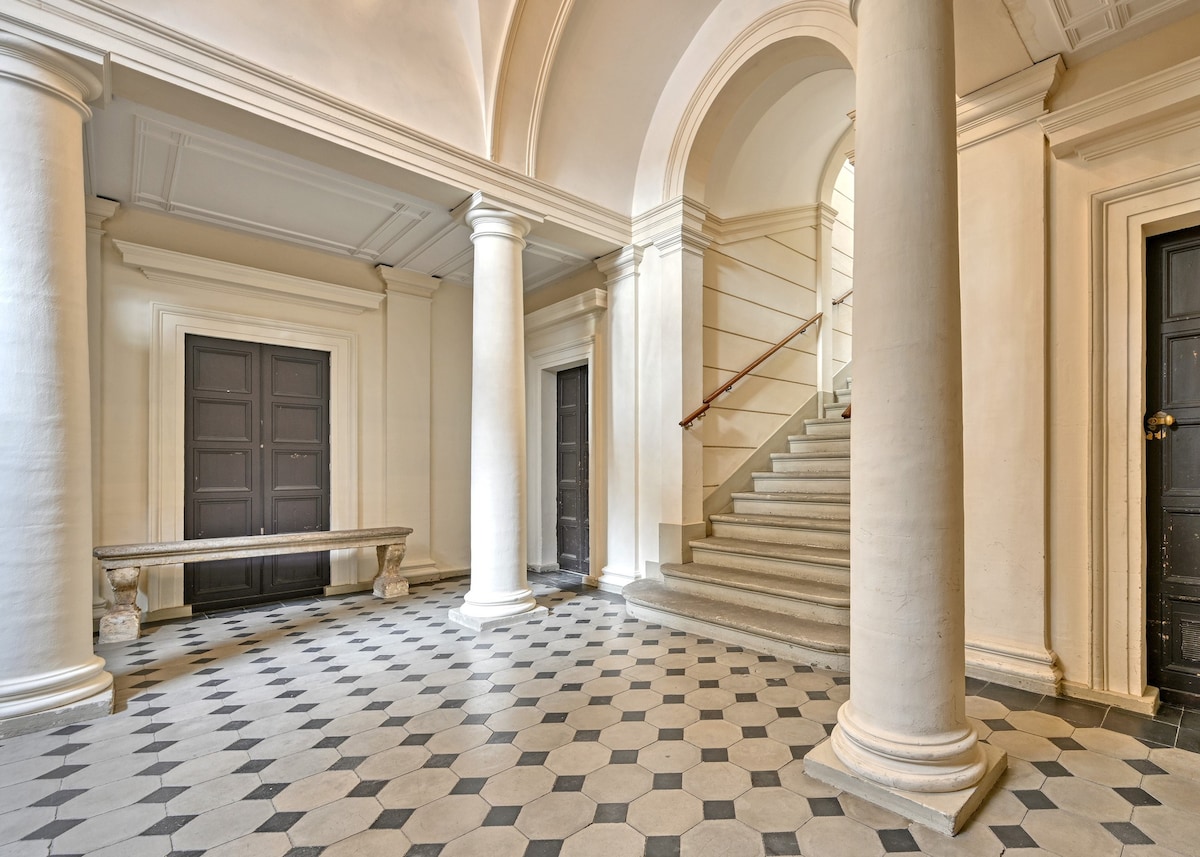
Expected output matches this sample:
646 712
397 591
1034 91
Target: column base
614 579
98 705
944 812
487 623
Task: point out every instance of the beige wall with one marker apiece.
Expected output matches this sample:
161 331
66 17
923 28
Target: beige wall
843 265
129 508
755 292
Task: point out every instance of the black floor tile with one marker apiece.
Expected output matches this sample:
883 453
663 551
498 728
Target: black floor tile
1143 728
1013 836
1127 833
779 844
898 840
1012 698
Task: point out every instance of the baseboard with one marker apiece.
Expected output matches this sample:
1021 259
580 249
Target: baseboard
1147 703
167 613
1027 669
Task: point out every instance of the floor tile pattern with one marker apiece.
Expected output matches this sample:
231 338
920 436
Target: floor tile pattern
346 726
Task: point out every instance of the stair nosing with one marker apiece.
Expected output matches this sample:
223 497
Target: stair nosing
750 547
793 522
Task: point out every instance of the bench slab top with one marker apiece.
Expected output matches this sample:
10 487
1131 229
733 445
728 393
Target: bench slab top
161 553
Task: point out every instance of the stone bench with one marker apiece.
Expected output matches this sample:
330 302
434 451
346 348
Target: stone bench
123 564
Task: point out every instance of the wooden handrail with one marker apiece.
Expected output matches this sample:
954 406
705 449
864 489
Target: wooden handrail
842 299
687 421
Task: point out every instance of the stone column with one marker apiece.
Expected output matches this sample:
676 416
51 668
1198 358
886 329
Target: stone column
903 739
620 270
500 593
48 674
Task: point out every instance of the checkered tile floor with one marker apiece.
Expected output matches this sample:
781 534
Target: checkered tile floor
351 727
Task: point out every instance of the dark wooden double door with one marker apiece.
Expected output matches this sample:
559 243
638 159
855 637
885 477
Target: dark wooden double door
572 471
1173 465
257 462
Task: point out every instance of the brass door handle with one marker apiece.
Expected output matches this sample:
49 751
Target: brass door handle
1156 425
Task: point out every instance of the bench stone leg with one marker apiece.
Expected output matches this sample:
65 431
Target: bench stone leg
123 621
389 584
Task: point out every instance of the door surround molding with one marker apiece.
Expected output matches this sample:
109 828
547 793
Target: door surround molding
562 336
1122 218
171 325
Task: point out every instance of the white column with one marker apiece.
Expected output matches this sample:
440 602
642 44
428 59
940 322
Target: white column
500 593
826 216
409 412
620 270
903 739
98 211
48 673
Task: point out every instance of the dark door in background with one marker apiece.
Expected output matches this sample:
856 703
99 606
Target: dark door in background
1173 465
572 456
256 423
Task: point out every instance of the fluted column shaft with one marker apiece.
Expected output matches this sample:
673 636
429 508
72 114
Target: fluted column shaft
48 671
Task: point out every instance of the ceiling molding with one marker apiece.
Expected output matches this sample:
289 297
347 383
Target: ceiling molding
164 155
747 226
1009 103
143 46
168 266
1135 112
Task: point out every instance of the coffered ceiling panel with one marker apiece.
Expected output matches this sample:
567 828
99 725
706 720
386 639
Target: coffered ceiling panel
143 157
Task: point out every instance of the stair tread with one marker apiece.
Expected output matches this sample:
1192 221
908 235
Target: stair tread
795 522
843 499
771 474
778 626
816 591
775 550
836 455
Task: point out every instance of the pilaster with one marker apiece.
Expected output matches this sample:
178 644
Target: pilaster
621 273
407 392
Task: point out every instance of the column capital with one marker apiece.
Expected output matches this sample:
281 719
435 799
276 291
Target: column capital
620 264
406 282
488 214
99 210
673 226
47 70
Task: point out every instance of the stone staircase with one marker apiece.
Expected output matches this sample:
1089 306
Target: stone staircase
774 574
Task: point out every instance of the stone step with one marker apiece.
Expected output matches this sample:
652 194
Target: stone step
834 427
803 443
797 562
817 643
784 529
795 483
829 410
811 463
831 506
843 395
815 600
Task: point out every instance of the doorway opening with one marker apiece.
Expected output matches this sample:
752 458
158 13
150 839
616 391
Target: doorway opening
571 454
256 462
1173 464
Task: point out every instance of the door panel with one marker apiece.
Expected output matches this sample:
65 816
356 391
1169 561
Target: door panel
572 470
1173 465
257 461
296 462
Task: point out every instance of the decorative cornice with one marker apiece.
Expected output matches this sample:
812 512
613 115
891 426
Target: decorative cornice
589 304
167 266
1131 112
484 201
1009 103
411 283
162 53
747 226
